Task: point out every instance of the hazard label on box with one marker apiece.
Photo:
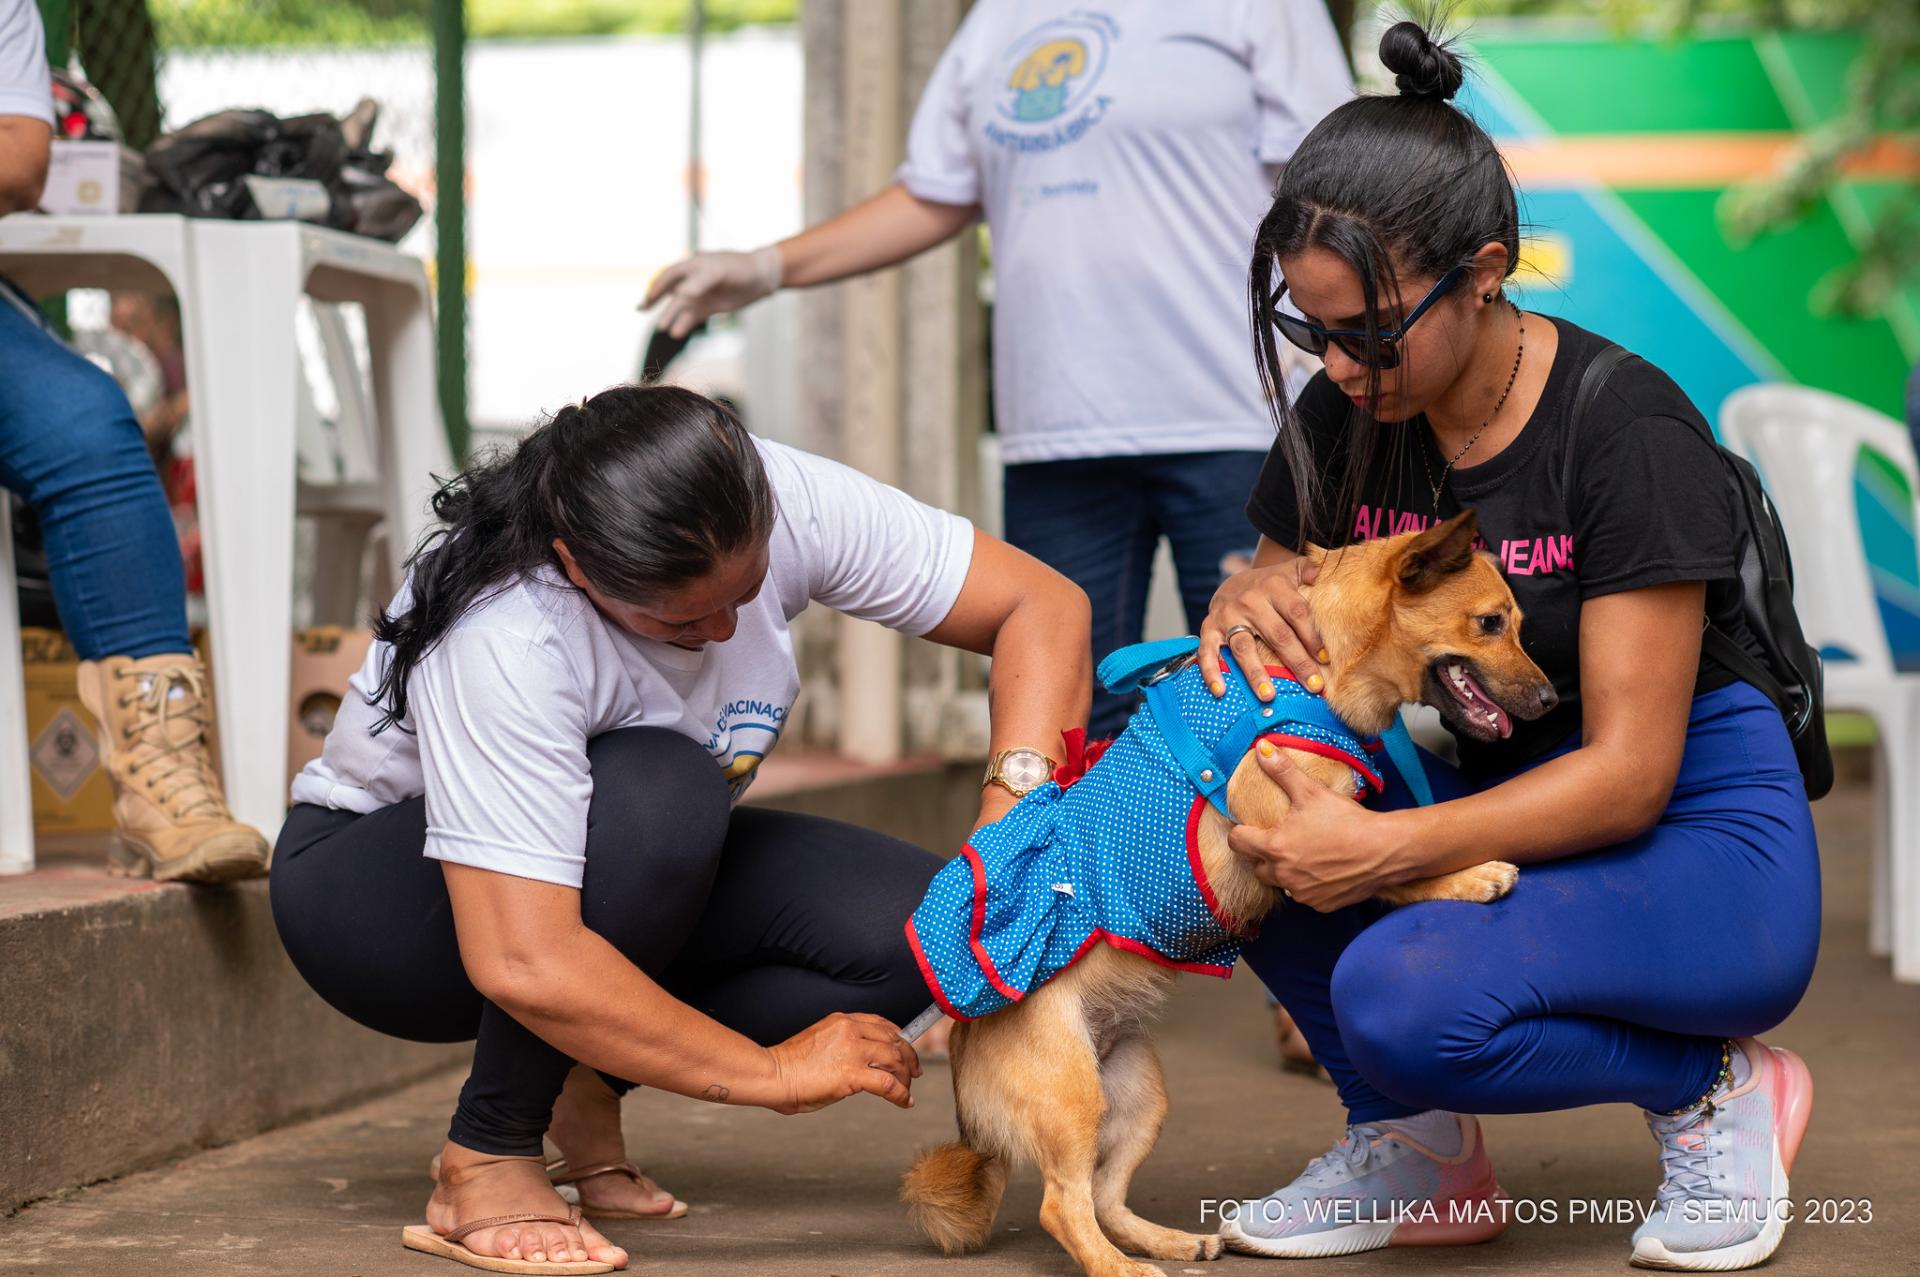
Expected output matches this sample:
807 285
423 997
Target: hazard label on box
64 754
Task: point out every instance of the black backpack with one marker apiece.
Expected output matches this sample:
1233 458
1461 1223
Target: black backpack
1789 673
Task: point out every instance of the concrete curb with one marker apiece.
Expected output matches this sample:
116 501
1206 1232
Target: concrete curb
138 1027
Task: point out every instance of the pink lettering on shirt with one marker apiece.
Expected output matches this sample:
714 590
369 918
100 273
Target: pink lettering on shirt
1539 556
1519 556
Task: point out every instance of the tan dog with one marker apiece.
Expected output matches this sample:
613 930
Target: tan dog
1067 1077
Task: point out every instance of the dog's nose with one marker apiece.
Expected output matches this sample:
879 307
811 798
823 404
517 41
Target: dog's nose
1548 697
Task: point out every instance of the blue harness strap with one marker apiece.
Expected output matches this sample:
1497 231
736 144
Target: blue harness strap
1406 761
1125 669
1134 668
1203 771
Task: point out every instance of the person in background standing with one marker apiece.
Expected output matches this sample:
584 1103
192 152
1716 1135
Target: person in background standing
1121 156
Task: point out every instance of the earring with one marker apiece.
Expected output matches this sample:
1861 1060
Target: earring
1487 298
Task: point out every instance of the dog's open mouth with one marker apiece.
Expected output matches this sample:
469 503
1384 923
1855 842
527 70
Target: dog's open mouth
1472 707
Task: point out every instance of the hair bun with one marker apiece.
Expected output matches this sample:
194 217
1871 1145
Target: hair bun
1422 68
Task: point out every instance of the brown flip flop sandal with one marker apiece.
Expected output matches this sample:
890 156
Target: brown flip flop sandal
561 1173
422 1238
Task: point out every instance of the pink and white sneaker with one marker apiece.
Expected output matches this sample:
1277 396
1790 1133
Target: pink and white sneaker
1722 1202
1377 1187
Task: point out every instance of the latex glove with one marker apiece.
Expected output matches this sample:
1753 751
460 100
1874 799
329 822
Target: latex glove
709 284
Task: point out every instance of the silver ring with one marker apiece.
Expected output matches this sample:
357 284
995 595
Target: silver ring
1238 629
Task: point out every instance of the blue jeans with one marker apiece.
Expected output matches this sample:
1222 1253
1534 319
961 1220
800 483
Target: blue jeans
1098 521
72 450
1606 977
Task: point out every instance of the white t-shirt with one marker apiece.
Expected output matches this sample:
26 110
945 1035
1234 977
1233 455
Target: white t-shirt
1119 152
26 81
500 711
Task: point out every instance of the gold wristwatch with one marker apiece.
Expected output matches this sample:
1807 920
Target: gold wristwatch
1019 770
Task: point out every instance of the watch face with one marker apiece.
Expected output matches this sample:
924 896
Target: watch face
1024 769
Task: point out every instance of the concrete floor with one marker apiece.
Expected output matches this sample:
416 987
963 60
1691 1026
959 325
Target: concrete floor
815 1194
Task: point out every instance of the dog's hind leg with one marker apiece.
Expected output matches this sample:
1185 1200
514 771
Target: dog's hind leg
1058 1108
1136 1103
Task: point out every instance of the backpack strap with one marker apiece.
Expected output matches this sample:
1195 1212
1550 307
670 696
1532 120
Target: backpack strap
1592 382
1747 668
1713 641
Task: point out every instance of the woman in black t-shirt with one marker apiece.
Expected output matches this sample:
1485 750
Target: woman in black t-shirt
1668 903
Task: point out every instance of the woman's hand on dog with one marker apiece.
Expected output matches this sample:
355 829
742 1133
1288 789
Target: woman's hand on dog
840 1056
1327 852
1268 601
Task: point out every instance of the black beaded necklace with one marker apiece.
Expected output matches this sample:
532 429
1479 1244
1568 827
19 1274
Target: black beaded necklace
1520 349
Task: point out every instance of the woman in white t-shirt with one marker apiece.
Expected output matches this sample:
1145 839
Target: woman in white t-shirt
1122 155
563 704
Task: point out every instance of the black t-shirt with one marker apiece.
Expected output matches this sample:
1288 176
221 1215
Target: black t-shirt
1650 506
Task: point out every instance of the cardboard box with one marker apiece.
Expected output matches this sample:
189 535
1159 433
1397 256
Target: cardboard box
324 658
71 792
83 177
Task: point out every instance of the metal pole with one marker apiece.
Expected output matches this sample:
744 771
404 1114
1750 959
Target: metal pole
696 175
57 17
450 217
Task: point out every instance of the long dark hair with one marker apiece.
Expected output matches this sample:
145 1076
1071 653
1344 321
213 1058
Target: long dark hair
1386 181
649 486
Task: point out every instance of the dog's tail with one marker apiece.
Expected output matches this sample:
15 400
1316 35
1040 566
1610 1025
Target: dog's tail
952 1193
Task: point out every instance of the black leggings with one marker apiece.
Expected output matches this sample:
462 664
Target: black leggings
764 920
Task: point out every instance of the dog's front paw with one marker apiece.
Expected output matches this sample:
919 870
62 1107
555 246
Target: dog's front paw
1156 1242
1186 1246
1478 885
1487 883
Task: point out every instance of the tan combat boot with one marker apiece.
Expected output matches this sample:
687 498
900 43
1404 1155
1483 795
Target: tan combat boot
174 823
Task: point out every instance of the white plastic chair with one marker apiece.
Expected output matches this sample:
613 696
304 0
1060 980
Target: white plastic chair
148 253
16 778
239 286
1806 444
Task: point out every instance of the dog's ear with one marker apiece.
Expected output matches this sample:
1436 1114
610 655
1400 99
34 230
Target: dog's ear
1438 553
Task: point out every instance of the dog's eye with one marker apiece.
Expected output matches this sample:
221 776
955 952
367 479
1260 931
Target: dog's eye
1491 623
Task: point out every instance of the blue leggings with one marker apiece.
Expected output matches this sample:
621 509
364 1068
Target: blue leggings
71 449
1610 976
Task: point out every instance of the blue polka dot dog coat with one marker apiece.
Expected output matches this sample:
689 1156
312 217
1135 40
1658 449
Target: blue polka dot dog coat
1109 849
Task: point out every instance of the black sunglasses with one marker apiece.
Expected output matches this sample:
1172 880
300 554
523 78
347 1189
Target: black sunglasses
1383 352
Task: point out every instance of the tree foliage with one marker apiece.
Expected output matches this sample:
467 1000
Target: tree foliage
190 24
204 23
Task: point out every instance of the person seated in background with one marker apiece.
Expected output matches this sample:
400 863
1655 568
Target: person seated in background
72 450
153 320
